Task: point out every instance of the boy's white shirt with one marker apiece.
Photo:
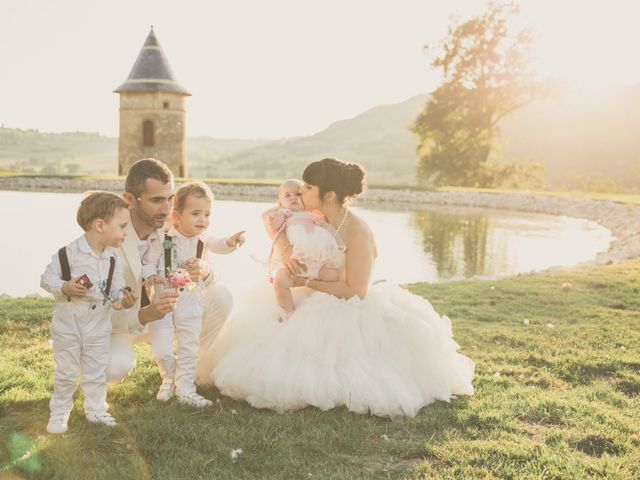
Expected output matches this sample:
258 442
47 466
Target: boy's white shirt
83 260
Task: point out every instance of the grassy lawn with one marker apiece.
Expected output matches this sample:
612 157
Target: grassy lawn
557 397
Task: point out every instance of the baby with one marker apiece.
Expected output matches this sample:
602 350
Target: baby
315 244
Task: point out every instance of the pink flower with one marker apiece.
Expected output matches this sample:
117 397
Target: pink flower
179 278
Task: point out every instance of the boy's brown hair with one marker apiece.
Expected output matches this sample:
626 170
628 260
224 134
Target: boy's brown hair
197 189
98 205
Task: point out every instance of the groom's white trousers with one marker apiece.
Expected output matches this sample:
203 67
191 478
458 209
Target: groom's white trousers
217 302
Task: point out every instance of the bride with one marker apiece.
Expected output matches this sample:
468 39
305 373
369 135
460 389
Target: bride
372 348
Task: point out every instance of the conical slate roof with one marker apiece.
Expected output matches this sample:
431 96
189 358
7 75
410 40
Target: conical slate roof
151 72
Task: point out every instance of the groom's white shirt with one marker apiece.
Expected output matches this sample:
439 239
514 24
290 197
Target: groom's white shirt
126 321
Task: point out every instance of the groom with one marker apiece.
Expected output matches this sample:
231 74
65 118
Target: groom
149 191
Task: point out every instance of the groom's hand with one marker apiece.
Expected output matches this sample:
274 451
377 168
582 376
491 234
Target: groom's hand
161 305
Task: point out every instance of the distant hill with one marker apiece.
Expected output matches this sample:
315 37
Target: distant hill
583 140
379 138
580 139
92 153
73 152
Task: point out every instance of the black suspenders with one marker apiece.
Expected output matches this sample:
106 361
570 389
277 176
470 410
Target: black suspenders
168 240
64 265
167 252
66 269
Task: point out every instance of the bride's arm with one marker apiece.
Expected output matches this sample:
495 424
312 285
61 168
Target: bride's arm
360 254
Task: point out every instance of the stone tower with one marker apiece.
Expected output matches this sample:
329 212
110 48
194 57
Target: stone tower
152 112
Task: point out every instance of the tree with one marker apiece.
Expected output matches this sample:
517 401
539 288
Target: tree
485 77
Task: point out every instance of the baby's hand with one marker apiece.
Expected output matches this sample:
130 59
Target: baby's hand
129 298
236 240
72 288
275 219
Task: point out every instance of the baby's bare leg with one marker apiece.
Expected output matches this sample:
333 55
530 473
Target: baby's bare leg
282 284
327 274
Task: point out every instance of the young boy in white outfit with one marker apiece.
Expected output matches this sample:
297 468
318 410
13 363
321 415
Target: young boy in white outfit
86 281
183 242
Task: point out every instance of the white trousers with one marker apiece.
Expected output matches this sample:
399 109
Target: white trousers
81 336
217 302
183 324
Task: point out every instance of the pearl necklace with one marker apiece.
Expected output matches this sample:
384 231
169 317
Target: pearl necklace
344 219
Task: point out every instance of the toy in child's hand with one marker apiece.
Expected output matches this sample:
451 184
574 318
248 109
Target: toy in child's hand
84 281
123 298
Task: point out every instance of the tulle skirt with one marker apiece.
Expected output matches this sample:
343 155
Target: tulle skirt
388 354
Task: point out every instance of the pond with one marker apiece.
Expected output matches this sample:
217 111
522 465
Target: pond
424 243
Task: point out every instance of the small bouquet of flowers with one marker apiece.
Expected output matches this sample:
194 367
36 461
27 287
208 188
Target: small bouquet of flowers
116 299
180 279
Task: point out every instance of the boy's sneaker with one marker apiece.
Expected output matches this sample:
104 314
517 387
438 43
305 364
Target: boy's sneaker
167 390
102 418
58 422
194 400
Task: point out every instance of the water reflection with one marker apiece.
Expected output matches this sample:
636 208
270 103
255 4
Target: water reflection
457 243
427 243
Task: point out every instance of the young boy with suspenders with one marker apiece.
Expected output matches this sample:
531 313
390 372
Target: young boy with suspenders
87 283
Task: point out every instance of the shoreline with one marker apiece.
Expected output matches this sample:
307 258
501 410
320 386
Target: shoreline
622 220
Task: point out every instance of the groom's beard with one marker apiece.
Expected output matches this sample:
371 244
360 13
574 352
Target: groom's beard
153 221
158 221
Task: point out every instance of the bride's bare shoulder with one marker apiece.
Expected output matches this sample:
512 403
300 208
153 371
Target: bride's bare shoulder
358 229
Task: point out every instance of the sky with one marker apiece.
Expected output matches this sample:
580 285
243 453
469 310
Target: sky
277 68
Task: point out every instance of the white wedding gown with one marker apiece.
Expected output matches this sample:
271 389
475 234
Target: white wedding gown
388 354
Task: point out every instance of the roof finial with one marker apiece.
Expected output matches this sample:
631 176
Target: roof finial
152 28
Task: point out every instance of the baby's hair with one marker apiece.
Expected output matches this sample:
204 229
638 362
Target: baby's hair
295 181
197 189
98 205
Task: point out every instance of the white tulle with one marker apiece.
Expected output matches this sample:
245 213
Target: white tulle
314 245
389 354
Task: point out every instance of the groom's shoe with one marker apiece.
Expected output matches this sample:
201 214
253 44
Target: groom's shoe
194 400
167 390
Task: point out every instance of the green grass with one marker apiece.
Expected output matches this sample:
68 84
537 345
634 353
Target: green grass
557 397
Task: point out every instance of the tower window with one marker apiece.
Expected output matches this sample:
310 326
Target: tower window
165 105
147 133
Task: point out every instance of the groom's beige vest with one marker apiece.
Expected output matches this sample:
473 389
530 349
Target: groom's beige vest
129 256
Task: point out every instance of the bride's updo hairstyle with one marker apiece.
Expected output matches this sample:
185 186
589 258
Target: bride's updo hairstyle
331 175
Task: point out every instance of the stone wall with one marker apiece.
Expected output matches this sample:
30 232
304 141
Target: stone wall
167 112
